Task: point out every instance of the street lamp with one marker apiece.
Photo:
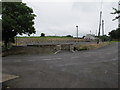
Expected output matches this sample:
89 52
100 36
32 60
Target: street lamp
77 31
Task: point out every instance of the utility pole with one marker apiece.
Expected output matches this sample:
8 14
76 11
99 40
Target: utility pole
96 32
77 31
100 23
119 14
90 31
102 27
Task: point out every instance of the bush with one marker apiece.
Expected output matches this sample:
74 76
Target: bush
105 38
115 34
69 36
42 35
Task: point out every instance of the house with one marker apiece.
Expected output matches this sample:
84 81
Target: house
90 37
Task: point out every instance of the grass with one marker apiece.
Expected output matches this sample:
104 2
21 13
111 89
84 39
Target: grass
115 41
92 46
47 39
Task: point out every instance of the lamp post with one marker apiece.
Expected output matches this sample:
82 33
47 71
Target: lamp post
77 31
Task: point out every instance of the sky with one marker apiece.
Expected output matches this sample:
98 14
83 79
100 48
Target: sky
59 18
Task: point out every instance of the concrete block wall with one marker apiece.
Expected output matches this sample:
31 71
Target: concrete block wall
37 49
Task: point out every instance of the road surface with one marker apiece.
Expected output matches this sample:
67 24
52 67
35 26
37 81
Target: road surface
85 69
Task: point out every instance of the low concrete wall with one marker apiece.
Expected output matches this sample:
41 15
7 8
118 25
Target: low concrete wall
36 49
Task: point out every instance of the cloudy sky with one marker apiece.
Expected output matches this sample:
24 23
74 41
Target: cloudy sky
60 18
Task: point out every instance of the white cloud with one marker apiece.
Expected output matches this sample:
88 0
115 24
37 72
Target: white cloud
70 1
61 18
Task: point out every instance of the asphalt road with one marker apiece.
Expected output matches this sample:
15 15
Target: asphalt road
85 69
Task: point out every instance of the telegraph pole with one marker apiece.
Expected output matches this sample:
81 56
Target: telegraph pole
90 31
119 14
77 31
96 32
100 23
102 27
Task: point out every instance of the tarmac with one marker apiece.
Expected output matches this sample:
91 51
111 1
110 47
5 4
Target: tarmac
96 68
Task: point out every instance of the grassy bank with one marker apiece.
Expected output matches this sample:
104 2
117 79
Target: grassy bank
115 41
47 39
92 46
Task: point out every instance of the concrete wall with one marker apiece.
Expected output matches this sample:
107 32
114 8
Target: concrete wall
36 49
29 50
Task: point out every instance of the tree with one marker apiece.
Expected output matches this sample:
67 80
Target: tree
0 30
104 38
69 36
17 18
115 34
83 37
0 7
42 35
116 12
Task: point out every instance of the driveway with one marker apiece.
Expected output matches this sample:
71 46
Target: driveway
85 69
